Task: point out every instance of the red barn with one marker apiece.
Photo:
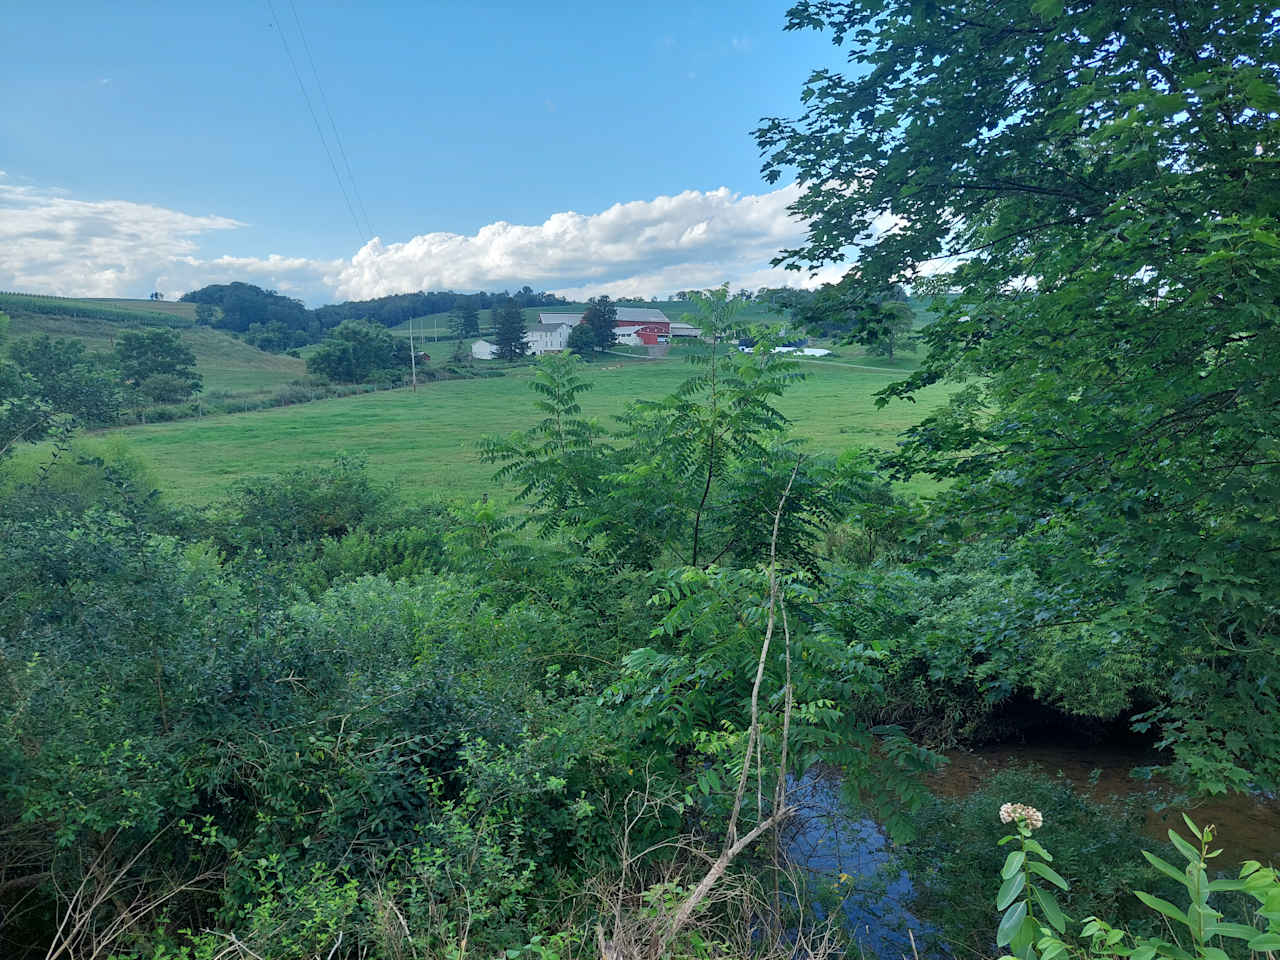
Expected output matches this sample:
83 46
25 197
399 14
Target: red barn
646 326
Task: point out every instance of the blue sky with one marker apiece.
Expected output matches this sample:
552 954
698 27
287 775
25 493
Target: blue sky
169 143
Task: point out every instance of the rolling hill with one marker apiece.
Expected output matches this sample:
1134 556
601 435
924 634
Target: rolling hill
227 364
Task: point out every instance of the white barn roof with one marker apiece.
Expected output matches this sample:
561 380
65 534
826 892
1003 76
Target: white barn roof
630 315
549 320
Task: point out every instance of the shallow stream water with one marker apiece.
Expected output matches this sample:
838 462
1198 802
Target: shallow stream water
828 843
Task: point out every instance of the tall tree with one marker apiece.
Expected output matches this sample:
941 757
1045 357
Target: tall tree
1103 179
582 341
602 317
357 350
509 333
156 352
464 320
243 304
891 322
46 382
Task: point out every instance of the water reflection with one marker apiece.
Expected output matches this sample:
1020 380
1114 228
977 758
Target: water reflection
848 857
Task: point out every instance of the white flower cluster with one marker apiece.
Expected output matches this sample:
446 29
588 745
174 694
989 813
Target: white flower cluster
1010 812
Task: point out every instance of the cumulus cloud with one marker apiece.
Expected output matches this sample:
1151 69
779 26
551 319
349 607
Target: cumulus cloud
646 247
52 243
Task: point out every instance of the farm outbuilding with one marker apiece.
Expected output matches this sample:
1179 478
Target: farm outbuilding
484 350
551 336
650 322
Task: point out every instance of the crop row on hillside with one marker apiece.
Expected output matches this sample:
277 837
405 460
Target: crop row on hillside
24 303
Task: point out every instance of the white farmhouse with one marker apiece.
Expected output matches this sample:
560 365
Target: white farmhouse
551 335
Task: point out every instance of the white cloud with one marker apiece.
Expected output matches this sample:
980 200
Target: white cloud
51 243
646 247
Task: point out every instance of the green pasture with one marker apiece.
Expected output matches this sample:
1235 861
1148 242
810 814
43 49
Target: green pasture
424 443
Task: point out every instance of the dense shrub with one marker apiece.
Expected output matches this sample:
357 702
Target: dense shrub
304 505
389 738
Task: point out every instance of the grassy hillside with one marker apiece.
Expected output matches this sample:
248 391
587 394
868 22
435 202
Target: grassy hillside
227 364
424 442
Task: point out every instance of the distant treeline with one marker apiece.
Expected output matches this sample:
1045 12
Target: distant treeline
275 322
395 310
20 303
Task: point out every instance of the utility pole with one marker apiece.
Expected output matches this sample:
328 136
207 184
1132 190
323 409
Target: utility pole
413 356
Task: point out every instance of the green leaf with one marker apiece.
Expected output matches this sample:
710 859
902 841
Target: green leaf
1049 874
1165 867
1010 889
1034 847
1163 906
1184 848
1052 909
1236 931
1266 942
1217 886
1191 825
1013 863
1010 923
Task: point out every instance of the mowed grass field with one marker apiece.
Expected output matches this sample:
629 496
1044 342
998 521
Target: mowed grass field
225 363
424 443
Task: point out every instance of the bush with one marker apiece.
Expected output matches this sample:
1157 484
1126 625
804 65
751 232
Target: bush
273 514
955 850
165 388
92 472
1034 923
403 552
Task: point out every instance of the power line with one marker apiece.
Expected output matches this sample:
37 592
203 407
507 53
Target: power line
324 100
365 233
316 120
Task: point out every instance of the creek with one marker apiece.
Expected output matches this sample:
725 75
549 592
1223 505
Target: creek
848 853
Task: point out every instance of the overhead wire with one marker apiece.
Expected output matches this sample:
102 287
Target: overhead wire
316 120
337 137
365 232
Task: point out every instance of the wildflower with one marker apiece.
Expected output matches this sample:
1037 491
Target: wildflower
1010 812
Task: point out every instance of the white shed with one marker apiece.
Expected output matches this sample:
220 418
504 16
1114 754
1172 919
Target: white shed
484 350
